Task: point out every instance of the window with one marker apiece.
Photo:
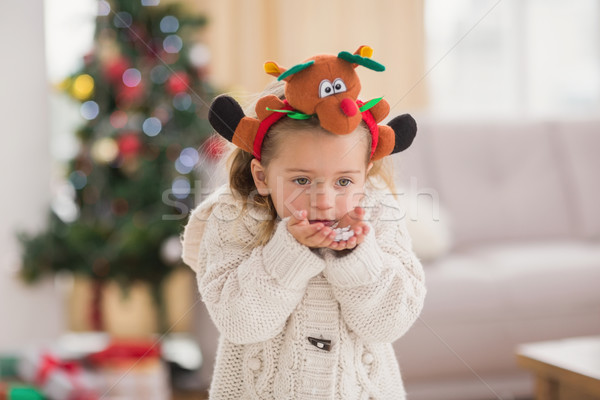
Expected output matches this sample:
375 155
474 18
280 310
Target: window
506 58
69 27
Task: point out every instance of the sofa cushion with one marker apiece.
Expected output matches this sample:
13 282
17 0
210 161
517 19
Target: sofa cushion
581 143
499 181
514 281
483 302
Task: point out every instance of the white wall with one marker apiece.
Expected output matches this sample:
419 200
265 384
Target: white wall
28 314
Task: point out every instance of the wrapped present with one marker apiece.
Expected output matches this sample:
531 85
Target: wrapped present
122 350
131 370
58 379
79 345
19 392
182 354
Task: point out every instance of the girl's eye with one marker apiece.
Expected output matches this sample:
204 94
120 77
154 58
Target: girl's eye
344 182
301 181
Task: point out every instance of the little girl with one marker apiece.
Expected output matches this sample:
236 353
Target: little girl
305 311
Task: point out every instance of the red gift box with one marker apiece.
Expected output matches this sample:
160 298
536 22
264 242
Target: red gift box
58 379
131 370
126 351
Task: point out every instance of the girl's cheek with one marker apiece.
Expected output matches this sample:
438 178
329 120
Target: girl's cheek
346 202
301 203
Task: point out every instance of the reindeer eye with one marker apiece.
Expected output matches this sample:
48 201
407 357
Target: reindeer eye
325 88
339 86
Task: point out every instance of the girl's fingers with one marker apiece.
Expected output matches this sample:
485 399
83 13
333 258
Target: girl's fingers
357 214
298 217
323 237
314 235
353 217
351 242
314 231
318 235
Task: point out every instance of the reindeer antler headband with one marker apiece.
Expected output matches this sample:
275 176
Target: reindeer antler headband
326 86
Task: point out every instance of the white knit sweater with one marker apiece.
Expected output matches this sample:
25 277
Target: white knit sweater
268 300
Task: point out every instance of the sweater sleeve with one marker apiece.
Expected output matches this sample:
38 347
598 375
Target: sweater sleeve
380 284
251 291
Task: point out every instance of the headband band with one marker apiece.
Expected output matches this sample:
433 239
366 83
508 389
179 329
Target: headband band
368 118
266 124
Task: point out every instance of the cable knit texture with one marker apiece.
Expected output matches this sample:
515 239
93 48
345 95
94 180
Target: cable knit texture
268 300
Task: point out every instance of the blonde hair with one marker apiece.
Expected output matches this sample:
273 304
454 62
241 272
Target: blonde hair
241 181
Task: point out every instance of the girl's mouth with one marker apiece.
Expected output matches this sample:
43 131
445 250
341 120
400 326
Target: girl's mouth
326 222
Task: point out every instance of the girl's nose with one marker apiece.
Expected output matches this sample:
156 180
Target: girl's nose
322 198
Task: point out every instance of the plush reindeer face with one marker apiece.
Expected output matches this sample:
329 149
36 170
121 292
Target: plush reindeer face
328 86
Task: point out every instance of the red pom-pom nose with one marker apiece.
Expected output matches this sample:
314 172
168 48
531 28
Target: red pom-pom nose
349 107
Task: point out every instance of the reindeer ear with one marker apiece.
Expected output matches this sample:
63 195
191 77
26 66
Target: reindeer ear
272 68
364 51
362 56
405 130
225 115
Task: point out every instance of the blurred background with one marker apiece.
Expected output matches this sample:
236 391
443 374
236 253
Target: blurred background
106 149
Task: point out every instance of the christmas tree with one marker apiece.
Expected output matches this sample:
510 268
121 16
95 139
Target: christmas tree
143 95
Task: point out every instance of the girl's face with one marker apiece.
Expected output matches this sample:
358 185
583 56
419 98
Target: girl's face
320 173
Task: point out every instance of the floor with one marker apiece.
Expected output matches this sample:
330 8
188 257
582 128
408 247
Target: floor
185 395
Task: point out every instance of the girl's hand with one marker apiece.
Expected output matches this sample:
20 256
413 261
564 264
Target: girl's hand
353 219
311 235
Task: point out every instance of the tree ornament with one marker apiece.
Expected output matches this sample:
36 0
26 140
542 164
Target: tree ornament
177 83
213 148
199 55
170 250
82 87
128 97
118 119
105 150
115 68
107 50
129 144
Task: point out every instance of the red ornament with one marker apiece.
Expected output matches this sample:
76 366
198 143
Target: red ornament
177 83
167 58
129 144
114 70
118 119
127 96
213 147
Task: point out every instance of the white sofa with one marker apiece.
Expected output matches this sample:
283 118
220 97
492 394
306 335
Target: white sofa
521 201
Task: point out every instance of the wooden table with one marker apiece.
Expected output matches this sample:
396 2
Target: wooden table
564 369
